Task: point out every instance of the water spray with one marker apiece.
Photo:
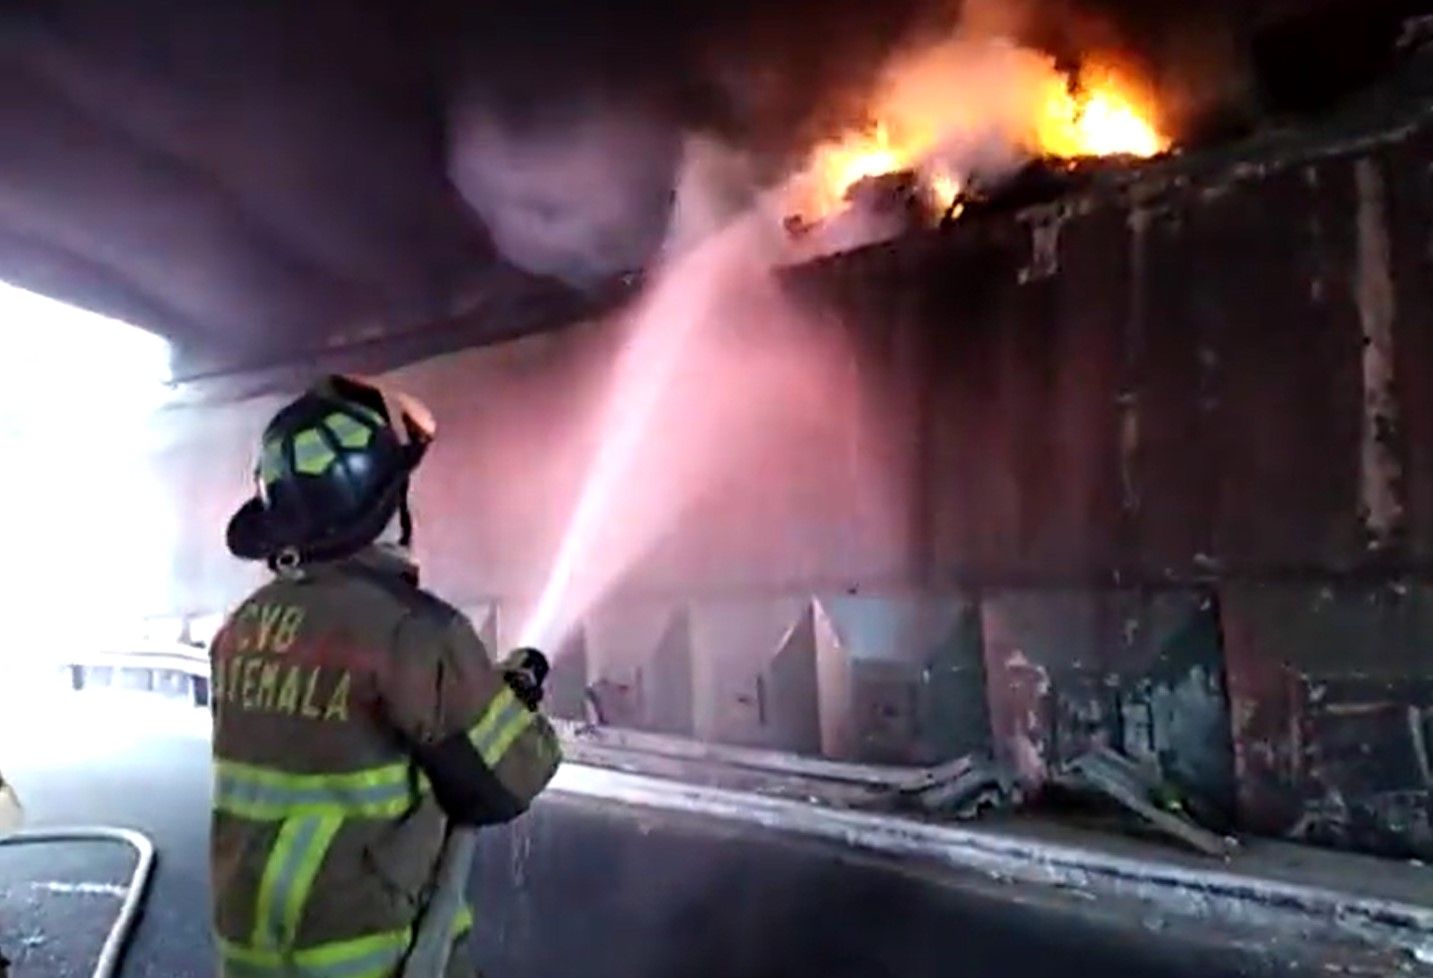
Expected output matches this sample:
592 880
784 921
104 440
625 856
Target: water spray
659 336
634 396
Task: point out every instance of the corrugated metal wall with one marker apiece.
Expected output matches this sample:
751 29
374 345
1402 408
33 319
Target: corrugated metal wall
1176 442
1151 469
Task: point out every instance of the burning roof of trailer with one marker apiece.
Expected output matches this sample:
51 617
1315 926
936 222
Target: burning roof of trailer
954 121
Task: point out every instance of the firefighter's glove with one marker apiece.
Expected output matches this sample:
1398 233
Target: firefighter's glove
525 670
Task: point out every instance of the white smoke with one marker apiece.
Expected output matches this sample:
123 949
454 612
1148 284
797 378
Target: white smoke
580 194
976 96
717 183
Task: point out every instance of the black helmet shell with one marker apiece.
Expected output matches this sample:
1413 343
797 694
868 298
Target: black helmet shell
333 469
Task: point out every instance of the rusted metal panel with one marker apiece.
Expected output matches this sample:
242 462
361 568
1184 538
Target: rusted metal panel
1366 745
891 429
1331 696
1380 459
1169 462
901 677
1409 182
1022 400
1269 263
1074 340
966 497
1137 672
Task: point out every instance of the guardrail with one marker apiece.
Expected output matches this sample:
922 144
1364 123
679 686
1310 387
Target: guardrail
177 670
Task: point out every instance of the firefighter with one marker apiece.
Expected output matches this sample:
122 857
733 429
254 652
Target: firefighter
355 715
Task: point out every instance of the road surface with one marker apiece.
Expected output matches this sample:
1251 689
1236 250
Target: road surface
602 892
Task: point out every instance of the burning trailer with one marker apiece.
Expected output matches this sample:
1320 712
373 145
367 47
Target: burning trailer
893 204
968 122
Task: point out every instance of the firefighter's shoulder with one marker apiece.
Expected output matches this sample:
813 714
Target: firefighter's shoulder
428 624
411 598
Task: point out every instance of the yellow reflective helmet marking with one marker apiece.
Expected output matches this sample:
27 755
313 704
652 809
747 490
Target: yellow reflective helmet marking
349 432
312 456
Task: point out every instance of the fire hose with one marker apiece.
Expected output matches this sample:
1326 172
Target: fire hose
120 932
525 670
428 958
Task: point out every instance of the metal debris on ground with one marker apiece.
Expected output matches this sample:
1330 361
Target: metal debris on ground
1144 793
964 788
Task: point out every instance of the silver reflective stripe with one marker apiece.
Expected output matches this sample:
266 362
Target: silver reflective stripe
293 863
274 927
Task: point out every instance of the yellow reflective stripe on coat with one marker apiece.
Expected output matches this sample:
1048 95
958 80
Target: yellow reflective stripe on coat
365 957
264 794
501 723
372 956
288 877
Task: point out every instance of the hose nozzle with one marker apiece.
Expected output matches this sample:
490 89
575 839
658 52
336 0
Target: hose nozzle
525 670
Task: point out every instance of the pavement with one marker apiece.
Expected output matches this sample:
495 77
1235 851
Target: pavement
1296 892
589 886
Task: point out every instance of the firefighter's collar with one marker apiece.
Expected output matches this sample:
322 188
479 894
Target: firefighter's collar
388 559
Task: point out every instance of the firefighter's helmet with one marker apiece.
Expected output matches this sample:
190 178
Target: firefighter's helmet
332 473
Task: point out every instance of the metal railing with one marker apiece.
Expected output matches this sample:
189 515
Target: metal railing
193 664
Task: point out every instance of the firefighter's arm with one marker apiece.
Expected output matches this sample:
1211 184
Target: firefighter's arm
486 754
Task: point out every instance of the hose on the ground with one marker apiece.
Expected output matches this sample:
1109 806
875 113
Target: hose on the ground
112 953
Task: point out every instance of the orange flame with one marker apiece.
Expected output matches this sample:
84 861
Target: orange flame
1103 114
1040 112
840 165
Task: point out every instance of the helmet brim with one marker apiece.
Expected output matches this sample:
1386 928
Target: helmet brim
251 534
248 534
